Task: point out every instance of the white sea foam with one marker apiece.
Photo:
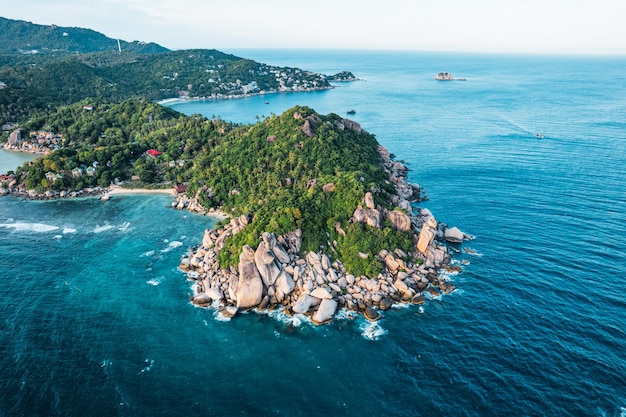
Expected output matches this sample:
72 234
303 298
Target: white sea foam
30 227
173 245
345 314
100 229
371 331
155 281
149 253
220 317
296 320
447 275
68 230
58 236
124 227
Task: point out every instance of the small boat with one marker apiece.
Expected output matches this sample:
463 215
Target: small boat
351 112
267 102
538 135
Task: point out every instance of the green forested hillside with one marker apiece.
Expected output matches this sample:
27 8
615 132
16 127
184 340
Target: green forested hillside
297 170
21 37
42 67
114 138
116 77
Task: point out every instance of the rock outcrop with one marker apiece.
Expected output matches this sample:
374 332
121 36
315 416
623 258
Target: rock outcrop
249 292
427 234
276 275
453 235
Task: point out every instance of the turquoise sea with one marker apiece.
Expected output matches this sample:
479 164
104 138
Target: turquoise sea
95 318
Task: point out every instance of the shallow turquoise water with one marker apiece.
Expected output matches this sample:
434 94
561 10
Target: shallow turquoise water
95 320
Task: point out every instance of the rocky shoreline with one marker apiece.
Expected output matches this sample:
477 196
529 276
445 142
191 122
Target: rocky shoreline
275 275
219 96
19 191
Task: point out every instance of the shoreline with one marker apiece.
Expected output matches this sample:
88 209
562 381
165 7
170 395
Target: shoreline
178 100
117 190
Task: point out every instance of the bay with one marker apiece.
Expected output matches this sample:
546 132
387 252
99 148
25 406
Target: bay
9 160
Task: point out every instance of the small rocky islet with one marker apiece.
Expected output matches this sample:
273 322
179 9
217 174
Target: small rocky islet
276 275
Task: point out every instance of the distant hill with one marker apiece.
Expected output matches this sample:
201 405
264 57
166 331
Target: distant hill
43 67
21 37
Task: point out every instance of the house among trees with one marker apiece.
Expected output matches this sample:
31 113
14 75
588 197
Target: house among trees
91 171
53 177
180 188
154 153
77 172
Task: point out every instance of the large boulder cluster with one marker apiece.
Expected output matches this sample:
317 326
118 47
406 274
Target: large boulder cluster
275 274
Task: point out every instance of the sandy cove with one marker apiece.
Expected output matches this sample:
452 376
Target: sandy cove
117 190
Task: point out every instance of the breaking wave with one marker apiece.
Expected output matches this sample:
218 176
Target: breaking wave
371 331
100 229
173 245
30 227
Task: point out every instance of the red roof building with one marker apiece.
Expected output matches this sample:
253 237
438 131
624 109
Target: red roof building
154 152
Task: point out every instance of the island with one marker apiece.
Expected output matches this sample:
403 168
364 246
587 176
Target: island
343 240
446 76
316 216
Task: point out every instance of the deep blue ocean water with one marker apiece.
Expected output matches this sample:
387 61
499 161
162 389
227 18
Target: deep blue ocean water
95 319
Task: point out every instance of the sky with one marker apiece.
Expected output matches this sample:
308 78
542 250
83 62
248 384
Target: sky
520 26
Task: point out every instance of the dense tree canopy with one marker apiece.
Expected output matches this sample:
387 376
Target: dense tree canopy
283 174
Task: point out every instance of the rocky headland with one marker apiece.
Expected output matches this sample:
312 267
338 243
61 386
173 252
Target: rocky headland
317 216
276 275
